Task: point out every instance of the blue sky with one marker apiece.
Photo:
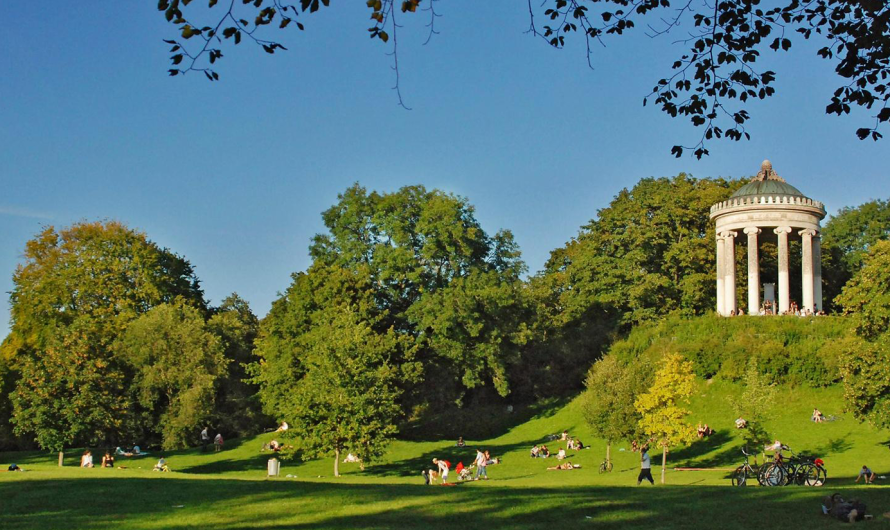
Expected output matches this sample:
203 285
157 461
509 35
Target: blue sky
234 175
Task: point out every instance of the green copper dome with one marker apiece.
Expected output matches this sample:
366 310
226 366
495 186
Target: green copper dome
767 187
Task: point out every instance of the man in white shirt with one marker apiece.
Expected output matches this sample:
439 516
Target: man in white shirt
645 467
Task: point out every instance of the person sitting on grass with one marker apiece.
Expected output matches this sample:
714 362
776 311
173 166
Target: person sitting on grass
161 465
700 430
561 454
741 423
818 417
86 460
867 473
534 452
107 460
460 442
543 452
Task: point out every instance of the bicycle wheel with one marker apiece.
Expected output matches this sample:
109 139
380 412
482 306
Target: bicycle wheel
818 478
773 475
740 476
792 475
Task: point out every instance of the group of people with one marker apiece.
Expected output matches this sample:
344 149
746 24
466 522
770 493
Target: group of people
482 460
703 430
540 451
769 308
205 440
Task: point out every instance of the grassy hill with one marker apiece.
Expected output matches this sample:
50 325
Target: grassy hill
230 490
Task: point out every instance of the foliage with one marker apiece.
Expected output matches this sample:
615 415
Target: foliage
867 382
754 406
176 365
795 350
867 296
649 253
71 391
662 415
718 69
609 401
238 411
74 295
846 240
430 273
867 369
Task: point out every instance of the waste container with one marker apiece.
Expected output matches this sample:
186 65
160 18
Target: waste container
274 467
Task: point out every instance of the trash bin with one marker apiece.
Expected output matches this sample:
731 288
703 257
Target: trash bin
274 467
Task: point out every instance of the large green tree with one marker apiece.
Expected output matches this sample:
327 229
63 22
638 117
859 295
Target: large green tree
649 253
866 369
846 240
73 296
176 364
710 84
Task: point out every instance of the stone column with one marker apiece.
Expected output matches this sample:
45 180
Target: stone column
720 261
784 287
817 272
729 303
807 268
753 271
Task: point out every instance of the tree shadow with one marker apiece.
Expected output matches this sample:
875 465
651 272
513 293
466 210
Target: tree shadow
694 455
833 446
467 454
465 422
172 502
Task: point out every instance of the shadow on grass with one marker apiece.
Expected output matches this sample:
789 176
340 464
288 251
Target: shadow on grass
694 455
172 502
477 423
413 466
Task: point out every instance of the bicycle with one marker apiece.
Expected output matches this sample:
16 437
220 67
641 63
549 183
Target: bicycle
742 473
606 466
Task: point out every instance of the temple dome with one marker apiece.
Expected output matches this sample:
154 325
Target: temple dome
767 187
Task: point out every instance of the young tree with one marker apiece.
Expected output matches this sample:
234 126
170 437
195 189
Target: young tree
663 417
177 365
754 405
609 401
711 83
73 296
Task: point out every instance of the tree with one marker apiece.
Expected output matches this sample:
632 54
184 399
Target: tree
866 369
867 295
342 386
711 83
73 296
609 401
847 239
238 409
663 417
649 253
176 364
754 405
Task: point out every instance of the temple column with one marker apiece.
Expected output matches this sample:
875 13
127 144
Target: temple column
807 268
817 272
753 271
720 261
729 302
784 287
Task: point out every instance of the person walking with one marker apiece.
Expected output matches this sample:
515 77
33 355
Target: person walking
205 439
218 442
645 467
481 463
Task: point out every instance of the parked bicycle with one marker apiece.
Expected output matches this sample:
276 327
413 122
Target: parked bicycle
606 466
798 470
744 472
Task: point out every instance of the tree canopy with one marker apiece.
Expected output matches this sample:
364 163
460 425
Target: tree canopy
710 84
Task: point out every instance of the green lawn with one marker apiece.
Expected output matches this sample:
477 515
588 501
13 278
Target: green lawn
230 490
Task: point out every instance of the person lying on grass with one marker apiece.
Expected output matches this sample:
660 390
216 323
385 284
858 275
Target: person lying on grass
568 466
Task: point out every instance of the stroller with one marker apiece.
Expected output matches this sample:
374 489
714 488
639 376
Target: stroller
464 473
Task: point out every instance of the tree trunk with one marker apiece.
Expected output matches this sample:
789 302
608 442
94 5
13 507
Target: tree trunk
664 457
61 458
337 462
608 453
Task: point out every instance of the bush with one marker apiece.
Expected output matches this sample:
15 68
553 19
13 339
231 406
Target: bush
795 350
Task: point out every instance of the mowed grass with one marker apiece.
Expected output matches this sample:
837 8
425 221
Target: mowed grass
230 489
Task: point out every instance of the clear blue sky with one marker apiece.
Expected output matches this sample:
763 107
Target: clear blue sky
233 175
